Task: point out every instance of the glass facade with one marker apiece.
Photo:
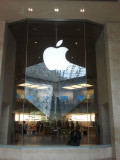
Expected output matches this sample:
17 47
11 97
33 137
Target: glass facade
56 98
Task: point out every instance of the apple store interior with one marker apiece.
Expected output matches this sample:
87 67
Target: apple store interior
54 91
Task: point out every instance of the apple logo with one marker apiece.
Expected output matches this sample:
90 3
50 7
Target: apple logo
55 58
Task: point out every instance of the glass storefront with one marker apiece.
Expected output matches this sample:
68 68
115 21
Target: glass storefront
55 84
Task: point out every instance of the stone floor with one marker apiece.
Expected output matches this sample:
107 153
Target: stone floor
40 140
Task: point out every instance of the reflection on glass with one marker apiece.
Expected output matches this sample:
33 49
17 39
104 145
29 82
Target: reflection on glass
55 98
46 87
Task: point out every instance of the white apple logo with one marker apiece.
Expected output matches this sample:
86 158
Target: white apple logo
54 58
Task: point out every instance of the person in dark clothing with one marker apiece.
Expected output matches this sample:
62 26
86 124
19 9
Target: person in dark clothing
41 127
72 126
77 126
38 126
67 124
75 138
24 128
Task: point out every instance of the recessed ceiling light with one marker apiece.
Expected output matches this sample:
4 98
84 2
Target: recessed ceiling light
30 9
56 9
36 42
82 10
76 42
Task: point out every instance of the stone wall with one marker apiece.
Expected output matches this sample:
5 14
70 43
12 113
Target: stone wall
102 90
55 153
7 82
2 60
112 34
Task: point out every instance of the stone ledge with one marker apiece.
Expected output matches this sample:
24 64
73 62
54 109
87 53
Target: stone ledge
55 154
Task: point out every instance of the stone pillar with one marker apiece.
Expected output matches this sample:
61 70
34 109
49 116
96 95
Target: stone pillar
2 60
8 82
104 121
112 37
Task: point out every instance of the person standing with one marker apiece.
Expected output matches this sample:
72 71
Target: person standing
75 138
72 126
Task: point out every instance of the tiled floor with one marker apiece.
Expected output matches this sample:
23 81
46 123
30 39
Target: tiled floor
40 140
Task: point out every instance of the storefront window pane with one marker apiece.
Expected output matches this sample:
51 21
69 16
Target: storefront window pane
55 84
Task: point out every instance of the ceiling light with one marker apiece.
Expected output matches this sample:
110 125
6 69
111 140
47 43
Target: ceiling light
76 42
68 87
42 87
37 87
29 85
30 9
82 10
73 87
24 84
36 42
32 86
86 85
56 9
77 86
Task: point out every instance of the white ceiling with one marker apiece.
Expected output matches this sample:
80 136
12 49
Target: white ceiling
101 12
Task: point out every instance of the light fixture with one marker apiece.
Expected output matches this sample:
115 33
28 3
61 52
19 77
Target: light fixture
73 87
86 85
30 9
36 42
68 87
29 85
24 84
77 86
56 9
76 42
42 87
82 10
26 117
83 117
